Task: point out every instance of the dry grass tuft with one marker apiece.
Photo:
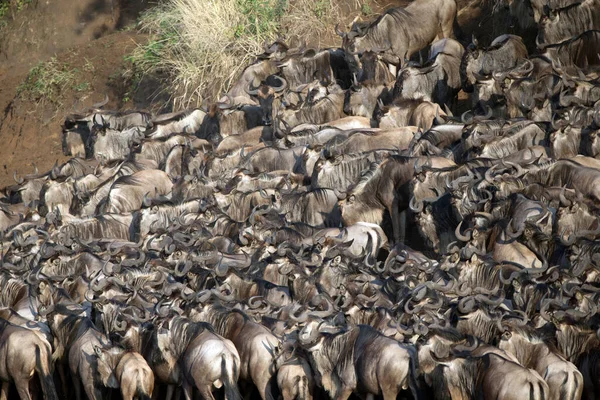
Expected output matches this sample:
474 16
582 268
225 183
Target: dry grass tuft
203 45
313 19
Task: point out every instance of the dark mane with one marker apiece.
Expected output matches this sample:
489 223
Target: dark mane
400 14
184 331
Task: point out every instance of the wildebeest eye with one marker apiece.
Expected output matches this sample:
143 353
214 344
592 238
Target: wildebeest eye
351 199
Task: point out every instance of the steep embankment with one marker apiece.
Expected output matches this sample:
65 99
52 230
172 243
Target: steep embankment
54 56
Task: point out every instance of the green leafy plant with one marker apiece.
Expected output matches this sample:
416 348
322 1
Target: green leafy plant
47 80
365 8
82 87
321 8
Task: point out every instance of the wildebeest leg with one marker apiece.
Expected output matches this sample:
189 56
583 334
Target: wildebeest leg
448 28
22 386
264 387
402 226
398 222
169 394
246 389
4 391
206 393
63 379
390 393
76 386
188 390
127 393
395 214
91 392
343 394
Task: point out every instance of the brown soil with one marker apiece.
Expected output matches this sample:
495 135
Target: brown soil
92 37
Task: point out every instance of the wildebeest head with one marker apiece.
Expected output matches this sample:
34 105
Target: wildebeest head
373 68
266 93
210 129
310 335
362 99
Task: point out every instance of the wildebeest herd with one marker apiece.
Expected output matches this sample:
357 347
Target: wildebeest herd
328 228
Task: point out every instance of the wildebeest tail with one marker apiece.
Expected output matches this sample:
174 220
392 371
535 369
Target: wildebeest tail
142 383
570 387
303 388
413 383
42 365
228 372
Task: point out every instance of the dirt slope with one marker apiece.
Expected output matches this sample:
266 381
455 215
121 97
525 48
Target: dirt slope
89 39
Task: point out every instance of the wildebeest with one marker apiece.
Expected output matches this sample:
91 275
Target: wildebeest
22 354
361 360
255 344
504 53
129 192
426 20
438 80
126 370
77 336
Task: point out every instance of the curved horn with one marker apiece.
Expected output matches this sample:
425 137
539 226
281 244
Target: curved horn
438 120
466 304
219 295
460 236
415 206
465 120
282 86
18 181
102 103
325 313
251 90
563 199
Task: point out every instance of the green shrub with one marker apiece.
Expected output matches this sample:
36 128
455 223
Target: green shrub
47 80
